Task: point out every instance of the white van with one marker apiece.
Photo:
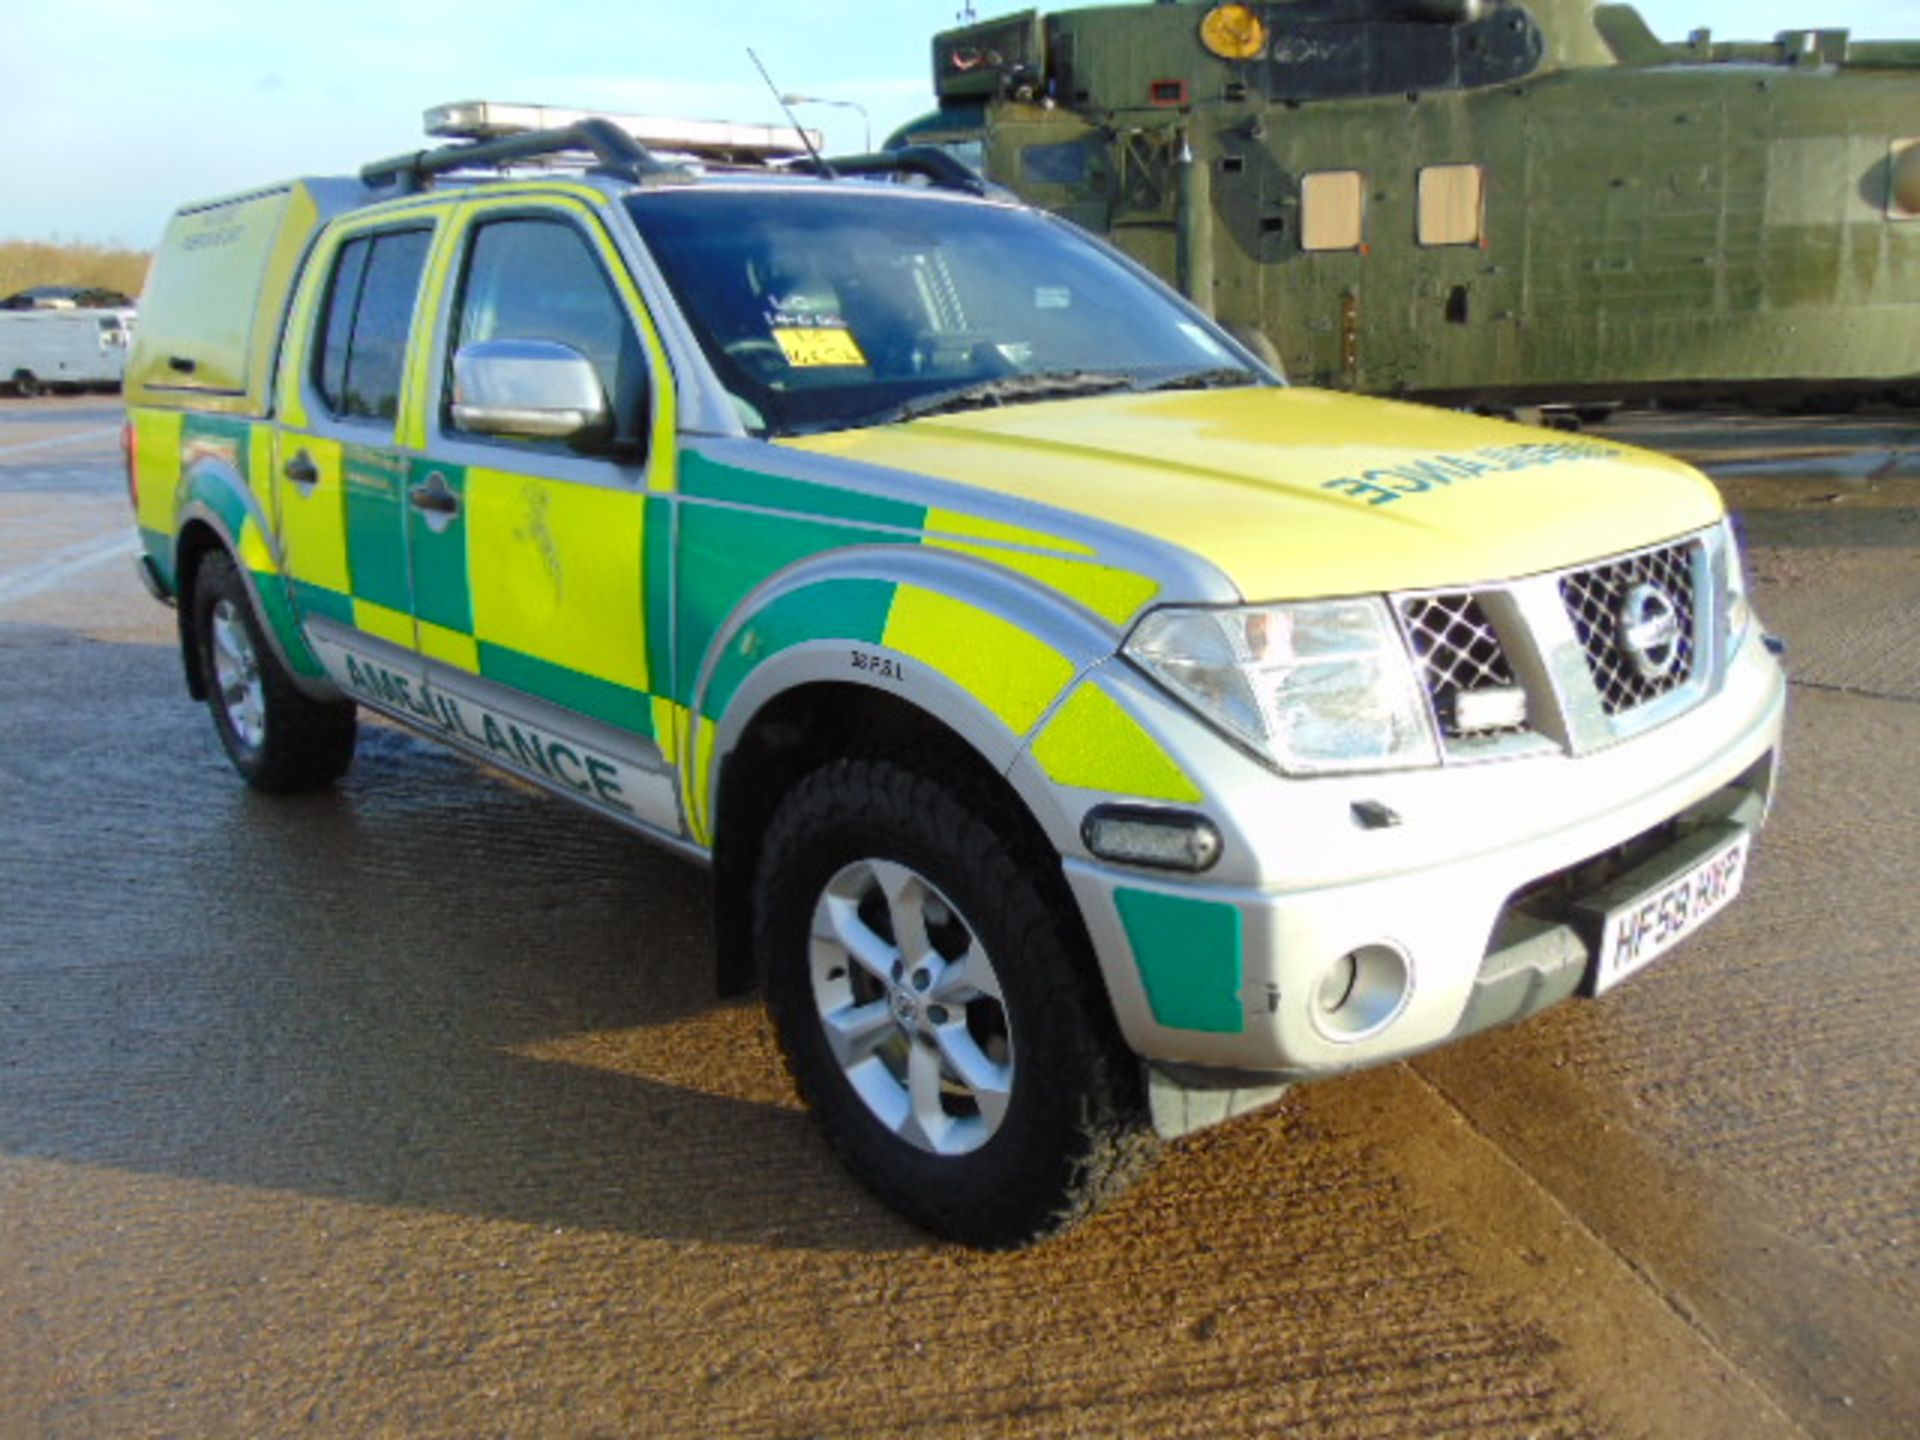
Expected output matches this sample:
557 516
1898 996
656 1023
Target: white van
69 348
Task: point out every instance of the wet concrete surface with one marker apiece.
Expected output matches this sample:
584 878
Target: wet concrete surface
407 1109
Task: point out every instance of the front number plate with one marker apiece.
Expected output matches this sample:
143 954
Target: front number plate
1646 927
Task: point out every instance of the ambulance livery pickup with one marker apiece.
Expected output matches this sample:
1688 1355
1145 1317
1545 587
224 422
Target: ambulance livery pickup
1088 733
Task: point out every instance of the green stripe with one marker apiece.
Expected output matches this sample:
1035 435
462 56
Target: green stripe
223 500
159 547
851 610
656 582
703 479
272 591
724 554
585 694
1188 952
376 539
440 592
316 602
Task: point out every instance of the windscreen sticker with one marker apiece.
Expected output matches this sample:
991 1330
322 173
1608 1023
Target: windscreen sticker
1388 483
808 346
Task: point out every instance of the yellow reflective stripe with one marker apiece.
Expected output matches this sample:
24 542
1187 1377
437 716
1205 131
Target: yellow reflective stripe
255 553
978 527
699 780
1114 595
669 728
1094 744
393 626
449 647
501 195
999 664
418 384
260 465
292 405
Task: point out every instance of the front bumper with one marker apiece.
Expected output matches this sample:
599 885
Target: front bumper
1466 914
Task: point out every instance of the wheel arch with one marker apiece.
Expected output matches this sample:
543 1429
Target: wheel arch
217 510
882 651
807 726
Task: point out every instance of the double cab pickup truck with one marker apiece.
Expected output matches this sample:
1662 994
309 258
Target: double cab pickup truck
1088 733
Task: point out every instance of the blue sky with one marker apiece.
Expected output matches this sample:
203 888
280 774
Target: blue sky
115 111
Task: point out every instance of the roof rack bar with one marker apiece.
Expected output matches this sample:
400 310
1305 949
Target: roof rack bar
931 163
618 152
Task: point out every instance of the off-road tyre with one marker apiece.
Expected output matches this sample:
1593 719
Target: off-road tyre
280 739
1073 1133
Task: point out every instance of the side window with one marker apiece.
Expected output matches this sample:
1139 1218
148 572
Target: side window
363 341
1333 210
1452 204
343 296
538 279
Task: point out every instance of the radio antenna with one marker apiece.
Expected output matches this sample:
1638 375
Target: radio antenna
781 100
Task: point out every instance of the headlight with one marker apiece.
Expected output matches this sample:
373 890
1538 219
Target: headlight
1314 687
1739 608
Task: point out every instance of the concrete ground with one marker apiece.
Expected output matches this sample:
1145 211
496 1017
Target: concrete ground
406 1109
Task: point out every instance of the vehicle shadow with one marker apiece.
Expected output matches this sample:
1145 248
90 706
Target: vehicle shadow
428 987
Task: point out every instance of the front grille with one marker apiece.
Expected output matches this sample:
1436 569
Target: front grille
1635 622
1459 652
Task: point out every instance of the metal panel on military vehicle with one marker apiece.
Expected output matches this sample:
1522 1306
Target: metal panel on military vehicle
1478 200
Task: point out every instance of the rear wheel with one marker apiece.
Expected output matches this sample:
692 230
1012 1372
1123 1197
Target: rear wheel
937 1013
277 737
26 384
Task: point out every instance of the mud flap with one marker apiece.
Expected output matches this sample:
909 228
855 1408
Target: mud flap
1184 1102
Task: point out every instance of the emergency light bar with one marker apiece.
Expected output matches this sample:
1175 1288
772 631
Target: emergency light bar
707 139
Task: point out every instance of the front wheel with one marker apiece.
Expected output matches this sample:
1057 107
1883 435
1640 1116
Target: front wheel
27 385
937 1014
278 738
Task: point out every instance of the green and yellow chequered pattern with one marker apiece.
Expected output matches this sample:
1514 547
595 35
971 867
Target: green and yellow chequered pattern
558 590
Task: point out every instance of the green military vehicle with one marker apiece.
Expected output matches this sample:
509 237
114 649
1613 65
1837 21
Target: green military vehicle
1492 201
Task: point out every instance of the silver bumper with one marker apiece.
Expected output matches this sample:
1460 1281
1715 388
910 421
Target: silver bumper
1476 909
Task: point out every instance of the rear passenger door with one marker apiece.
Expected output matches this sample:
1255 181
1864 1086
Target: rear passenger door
339 475
529 558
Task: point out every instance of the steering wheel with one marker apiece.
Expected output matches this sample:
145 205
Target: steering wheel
762 358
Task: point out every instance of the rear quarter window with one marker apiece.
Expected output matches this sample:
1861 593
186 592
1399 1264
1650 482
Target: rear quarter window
362 345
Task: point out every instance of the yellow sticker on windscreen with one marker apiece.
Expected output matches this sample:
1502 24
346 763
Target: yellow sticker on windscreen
818 345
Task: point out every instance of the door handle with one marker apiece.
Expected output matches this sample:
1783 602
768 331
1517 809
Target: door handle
302 471
434 497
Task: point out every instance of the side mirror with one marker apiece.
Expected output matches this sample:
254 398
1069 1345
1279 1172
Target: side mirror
529 390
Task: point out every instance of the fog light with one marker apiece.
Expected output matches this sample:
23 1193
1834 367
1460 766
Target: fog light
1164 839
1361 991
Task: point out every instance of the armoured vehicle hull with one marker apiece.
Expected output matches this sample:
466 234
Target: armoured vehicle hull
1468 201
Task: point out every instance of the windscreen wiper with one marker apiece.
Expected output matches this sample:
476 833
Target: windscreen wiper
1218 377
1010 390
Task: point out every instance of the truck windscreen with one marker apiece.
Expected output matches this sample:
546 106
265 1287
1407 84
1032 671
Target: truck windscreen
831 307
